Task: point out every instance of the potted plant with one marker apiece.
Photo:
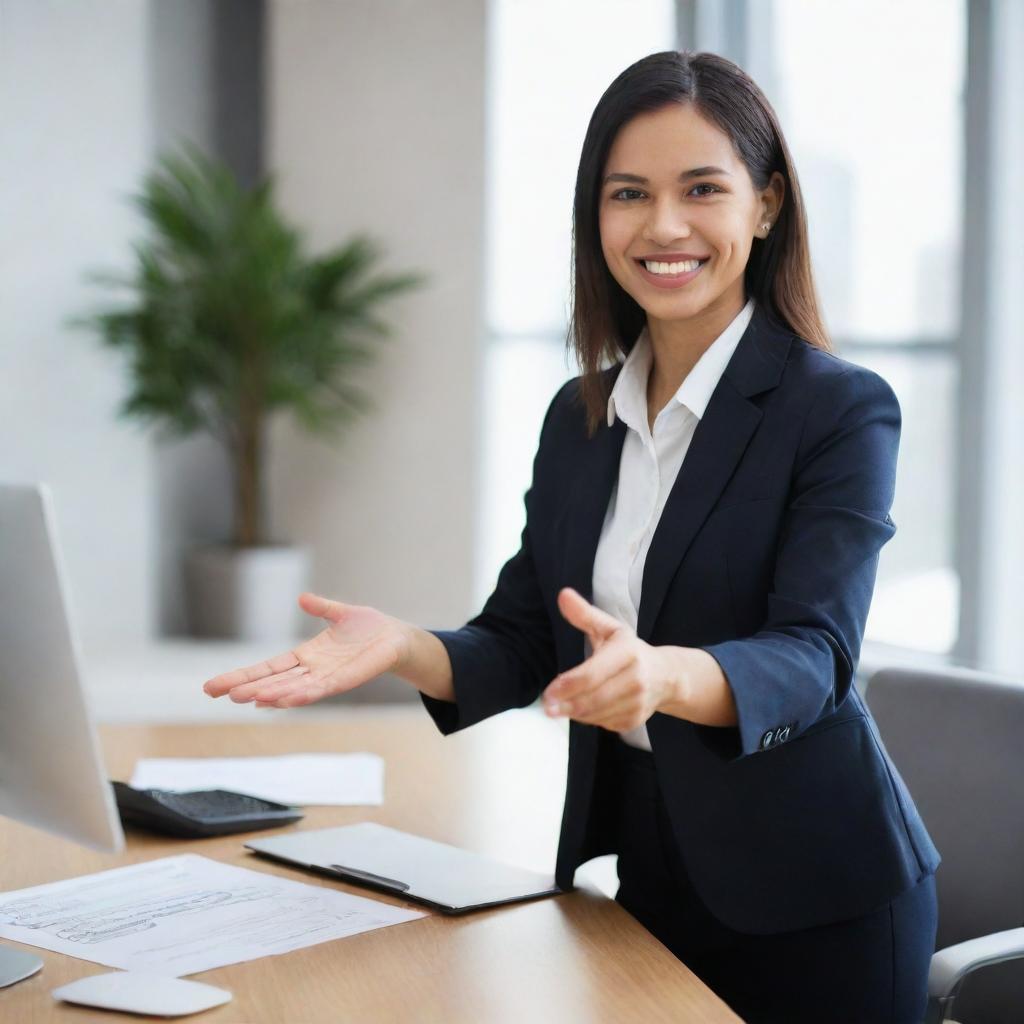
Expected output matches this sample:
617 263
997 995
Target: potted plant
227 323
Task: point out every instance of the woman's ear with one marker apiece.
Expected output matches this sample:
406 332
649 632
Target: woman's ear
772 198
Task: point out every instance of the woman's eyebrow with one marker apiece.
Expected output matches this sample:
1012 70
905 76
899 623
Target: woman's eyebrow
697 172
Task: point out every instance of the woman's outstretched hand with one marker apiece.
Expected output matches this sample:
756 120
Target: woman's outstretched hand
358 644
621 684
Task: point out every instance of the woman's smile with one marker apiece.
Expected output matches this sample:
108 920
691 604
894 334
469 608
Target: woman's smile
674 274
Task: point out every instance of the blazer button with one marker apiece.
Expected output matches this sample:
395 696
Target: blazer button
766 739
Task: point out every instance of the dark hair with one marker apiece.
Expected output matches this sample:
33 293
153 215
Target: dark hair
605 319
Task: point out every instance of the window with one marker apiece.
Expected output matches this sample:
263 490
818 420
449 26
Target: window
870 97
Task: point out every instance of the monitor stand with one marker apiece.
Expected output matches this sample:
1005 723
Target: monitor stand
17 966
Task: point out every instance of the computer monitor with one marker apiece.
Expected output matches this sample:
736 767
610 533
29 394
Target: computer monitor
51 773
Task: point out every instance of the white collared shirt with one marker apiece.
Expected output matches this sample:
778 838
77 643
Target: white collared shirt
647 471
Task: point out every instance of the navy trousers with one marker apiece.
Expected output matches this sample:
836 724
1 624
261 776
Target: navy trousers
869 970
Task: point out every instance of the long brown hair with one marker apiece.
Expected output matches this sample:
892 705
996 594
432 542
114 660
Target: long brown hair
605 319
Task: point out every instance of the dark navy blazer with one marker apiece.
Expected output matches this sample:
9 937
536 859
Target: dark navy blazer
765 556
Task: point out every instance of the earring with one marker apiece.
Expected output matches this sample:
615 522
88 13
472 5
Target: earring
766 226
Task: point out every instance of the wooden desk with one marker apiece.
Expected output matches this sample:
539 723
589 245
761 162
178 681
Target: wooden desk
496 789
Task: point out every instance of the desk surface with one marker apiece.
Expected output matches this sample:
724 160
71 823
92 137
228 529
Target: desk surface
496 789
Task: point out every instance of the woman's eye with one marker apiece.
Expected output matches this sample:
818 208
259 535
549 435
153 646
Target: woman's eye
621 195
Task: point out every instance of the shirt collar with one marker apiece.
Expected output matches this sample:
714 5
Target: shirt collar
628 399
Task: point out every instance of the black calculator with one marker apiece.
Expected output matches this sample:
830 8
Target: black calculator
205 812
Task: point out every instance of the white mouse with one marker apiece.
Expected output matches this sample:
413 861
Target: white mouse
135 992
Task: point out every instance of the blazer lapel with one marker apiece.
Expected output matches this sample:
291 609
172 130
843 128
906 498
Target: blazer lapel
718 444
593 477
585 510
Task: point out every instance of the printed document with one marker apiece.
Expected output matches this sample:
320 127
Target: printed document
295 779
181 915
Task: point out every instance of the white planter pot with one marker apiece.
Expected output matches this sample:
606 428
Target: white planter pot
246 593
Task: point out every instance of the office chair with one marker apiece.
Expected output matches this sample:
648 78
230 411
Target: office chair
957 738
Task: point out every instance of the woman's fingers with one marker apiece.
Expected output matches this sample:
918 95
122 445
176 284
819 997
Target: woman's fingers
305 684
302 690
322 607
614 702
299 696
358 645
586 617
219 685
270 693
609 661
249 691
305 691
617 704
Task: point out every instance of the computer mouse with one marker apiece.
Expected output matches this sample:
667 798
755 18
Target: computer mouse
137 992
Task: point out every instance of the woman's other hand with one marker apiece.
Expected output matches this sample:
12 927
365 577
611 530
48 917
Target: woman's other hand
358 644
621 684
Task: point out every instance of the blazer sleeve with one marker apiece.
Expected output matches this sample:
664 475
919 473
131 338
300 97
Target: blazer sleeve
799 666
505 656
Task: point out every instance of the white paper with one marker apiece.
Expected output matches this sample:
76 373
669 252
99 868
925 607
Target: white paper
181 915
295 779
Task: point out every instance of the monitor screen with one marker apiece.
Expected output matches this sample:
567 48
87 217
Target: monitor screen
51 772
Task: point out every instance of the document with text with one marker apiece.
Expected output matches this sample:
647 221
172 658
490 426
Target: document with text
185 914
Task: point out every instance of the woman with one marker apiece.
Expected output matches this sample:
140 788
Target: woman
700 549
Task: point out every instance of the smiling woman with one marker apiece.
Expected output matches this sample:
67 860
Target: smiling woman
712 222
701 542
715 182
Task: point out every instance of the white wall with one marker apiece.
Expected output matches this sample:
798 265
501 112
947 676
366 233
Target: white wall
74 140
376 124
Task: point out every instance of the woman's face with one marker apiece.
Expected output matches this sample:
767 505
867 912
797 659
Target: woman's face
673 189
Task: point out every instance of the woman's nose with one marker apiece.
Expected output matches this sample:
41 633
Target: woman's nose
666 222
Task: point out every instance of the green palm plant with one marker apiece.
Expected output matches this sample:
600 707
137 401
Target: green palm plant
229 321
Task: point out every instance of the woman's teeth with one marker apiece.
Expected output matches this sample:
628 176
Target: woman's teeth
672 268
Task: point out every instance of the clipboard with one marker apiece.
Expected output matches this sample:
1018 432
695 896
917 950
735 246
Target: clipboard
444 877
